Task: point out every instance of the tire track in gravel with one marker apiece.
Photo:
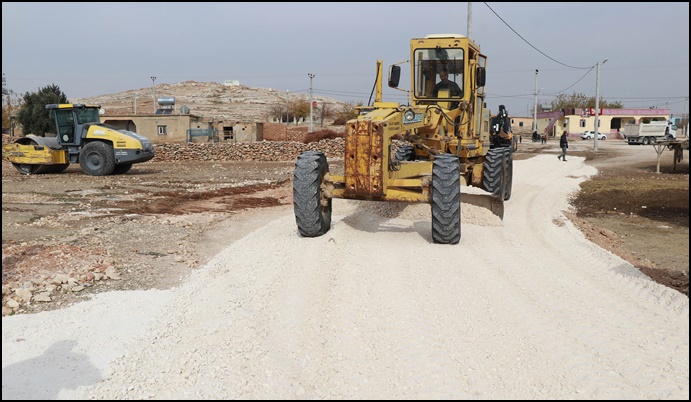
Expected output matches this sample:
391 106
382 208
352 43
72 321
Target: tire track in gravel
373 309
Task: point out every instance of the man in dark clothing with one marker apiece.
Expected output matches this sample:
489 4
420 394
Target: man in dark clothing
444 83
564 144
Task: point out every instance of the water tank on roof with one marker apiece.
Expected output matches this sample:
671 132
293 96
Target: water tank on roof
169 101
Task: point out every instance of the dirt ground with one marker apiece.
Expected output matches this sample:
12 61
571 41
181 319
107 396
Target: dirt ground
66 236
635 212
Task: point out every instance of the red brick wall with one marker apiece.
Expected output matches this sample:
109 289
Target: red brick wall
281 132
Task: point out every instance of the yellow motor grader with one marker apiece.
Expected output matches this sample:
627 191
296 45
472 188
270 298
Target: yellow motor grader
80 138
423 152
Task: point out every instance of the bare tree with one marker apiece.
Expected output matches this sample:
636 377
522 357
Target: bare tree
579 100
346 112
277 111
325 111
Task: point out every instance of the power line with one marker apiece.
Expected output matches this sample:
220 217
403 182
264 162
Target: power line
338 92
579 80
660 104
656 98
529 44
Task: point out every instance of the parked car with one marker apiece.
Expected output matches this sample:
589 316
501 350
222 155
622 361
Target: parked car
589 135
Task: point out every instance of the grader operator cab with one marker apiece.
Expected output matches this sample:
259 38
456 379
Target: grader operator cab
80 138
422 152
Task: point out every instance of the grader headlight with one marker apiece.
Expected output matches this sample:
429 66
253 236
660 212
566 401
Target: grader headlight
409 115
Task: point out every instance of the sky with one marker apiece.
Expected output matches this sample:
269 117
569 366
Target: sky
91 49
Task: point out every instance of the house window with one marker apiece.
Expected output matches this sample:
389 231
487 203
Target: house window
228 133
581 123
520 124
162 130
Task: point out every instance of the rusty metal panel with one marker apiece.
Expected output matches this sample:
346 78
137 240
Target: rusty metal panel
363 162
376 162
362 159
351 150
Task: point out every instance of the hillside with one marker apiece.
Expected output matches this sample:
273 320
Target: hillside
210 100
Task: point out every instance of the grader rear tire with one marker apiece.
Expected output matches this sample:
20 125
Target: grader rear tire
446 199
508 174
312 208
493 177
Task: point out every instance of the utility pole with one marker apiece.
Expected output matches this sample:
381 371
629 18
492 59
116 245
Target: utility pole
311 119
686 116
153 89
597 103
470 20
535 110
287 109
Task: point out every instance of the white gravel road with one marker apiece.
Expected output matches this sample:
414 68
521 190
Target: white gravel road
526 308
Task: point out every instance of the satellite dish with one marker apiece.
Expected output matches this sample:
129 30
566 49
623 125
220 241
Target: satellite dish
101 111
184 109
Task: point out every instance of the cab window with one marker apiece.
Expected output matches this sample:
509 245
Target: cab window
437 70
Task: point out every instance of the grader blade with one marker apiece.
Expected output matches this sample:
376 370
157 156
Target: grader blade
494 203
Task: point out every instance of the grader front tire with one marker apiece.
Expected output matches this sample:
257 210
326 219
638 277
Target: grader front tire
405 153
312 208
446 199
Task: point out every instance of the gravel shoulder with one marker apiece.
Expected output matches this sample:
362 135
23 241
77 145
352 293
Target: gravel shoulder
218 297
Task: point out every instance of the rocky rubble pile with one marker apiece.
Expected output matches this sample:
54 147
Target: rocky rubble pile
26 284
37 274
263 151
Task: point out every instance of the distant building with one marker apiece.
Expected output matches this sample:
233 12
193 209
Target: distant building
159 128
231 83
236 131
677 120
610 121
521 124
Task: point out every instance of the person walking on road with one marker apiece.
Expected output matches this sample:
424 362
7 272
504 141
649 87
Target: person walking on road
564 144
